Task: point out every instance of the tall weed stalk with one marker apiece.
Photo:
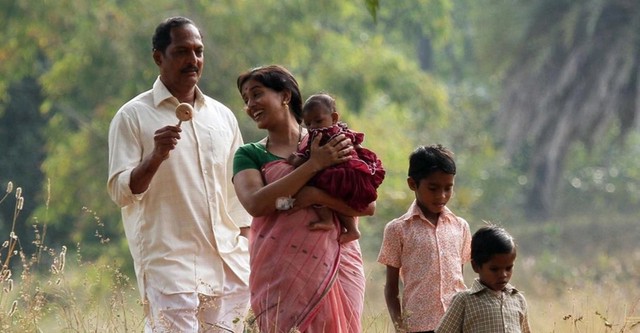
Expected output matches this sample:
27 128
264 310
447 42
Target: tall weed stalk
45 292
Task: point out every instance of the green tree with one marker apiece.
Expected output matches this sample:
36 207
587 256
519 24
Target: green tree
87 64
79 64
23 143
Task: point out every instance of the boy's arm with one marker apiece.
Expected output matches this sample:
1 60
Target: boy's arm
391 296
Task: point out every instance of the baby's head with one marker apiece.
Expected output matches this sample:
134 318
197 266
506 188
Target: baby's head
319 111
493 253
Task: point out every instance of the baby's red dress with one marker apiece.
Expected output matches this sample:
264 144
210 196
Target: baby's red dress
355 181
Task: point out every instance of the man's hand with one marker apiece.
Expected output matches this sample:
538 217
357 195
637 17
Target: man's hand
165 140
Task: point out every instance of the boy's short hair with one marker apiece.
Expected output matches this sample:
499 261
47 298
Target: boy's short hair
426 160
489 241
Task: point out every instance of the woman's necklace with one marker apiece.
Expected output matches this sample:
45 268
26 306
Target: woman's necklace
266 145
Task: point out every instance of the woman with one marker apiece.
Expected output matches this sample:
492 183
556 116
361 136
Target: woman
301 280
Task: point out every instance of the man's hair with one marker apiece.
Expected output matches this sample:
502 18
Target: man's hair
426 160
162 36
489 241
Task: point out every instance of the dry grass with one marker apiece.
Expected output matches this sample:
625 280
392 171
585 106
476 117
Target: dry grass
579 275
603 307
44 291
568 288
591 309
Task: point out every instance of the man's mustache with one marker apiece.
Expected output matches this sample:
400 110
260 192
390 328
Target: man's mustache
190 69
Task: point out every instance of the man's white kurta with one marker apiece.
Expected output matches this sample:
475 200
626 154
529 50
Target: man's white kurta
185 227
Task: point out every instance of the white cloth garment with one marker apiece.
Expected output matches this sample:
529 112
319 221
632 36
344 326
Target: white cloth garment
184 229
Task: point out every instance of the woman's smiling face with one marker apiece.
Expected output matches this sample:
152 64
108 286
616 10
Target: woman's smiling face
261 103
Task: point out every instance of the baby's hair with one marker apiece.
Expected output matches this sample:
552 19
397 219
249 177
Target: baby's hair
489 241
322 99
426 160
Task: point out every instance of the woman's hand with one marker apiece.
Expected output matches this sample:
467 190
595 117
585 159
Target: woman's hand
337 150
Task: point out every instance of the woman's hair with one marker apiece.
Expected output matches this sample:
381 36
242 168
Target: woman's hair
489 241
323 99
426 160
277 78
162 37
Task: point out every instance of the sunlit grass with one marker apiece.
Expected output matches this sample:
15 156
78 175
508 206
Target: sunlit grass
51 290
573 283
607 306
578 274
593 308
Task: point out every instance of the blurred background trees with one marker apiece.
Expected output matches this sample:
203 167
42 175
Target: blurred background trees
538 99
573 78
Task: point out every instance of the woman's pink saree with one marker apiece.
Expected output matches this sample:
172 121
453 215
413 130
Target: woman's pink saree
303 280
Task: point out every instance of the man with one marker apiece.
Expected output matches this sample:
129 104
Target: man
185 226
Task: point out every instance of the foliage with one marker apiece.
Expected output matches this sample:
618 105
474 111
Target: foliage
487 78
424 30
372 7
413 73
328 45
23 147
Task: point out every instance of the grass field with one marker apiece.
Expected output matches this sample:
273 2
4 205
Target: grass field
579 276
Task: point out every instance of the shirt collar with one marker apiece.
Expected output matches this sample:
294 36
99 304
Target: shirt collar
161 93
415 211
478 287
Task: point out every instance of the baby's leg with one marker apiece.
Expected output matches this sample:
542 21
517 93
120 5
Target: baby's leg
325 219
350 226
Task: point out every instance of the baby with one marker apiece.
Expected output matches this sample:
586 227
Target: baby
355 181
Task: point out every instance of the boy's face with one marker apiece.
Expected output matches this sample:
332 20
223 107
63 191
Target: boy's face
496 273
433 192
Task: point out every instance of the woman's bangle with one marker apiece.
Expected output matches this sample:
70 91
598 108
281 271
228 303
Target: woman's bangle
284 203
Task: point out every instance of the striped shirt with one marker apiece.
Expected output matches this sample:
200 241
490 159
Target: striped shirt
482 310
